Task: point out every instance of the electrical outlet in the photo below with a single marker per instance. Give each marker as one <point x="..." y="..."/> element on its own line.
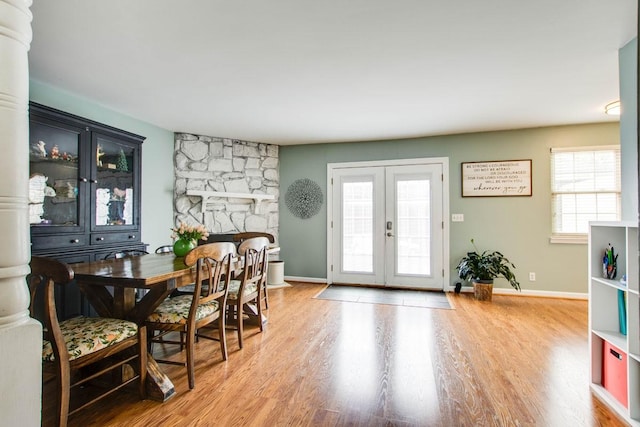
<point x="532" y="277"/>
<point x="457" y="217"/>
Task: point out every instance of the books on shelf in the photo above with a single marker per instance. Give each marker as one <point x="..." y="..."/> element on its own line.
<point x="622" y="311"/>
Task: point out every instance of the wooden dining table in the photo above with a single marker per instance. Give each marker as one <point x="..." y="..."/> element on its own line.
<point x="110" y="287"/>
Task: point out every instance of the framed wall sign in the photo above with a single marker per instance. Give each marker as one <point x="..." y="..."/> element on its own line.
<point x="496" y="178"/>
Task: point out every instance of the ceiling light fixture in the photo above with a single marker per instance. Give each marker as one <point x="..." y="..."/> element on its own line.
<point x="613" y="108"/>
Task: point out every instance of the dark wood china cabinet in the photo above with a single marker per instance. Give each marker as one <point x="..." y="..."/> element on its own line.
<point x="84" y="189"/>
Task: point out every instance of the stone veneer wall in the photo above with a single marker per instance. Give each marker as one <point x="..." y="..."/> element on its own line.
<point x="229" y="165"/>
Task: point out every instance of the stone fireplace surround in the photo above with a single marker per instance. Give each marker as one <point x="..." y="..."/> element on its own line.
<point x="204" y="163"/>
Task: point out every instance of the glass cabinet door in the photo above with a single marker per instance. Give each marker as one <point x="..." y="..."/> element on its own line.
<point x="115" y="177"/>
<point x="57" y="179"/>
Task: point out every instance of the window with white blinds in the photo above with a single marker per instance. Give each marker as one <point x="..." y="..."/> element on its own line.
<point x="585" y="186"/>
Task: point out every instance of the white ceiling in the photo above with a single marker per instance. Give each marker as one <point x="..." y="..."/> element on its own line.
<point x="300" y="71"/>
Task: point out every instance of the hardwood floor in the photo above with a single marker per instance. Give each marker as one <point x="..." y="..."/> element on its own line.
<point x="516" y="361"/>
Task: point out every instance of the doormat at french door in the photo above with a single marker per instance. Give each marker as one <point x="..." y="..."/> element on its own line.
<point x="403" y="297"/>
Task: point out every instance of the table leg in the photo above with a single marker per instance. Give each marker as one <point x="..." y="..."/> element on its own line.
<point x="99" y="298"/>
<point x="159" y="386"/>
<point x="152" y="299"/>
<point x="123" y="300"/>
<point x="251" y="310"/>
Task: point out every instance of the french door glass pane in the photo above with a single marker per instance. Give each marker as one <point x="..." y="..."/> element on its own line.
<point x="413" y="233"/>
<point x="357" y="227"/>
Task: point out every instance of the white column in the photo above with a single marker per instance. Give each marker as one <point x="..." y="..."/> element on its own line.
<point x="20" y="336"/>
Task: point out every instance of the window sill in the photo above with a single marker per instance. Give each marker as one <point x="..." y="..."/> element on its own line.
<point x="569" y="239"/>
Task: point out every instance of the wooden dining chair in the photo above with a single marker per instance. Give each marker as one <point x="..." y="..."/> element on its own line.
<point x="241" y="237"/>
<point x="125" y="253"/>
<point x="244" y="235"/>
<point x="70" y="346"/>
<point x="189" y="313"/>
<point x="164" y="249"/>
<point x="251" y="284"/>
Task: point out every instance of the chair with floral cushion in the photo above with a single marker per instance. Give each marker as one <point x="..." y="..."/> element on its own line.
<point x="251" y="283"/>
<point x="241" y="237"/>
<point x="82" y="352"/>
<point x="189" y="313"/>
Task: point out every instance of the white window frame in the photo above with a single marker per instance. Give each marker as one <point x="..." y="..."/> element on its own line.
<point x="580" y="238"/>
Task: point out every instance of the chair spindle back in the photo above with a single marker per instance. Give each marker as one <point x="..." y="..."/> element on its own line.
<point x="213" y="267"/>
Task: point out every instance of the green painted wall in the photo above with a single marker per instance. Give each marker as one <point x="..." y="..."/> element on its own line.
<point x="157" y="157"/>
<point x="628" y="64"/>
<point x="518" y="226"/>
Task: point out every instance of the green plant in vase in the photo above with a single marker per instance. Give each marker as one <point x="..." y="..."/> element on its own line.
<point x="186" y="237"/>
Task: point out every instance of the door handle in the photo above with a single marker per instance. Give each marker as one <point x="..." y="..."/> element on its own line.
<point x="389" y="234"/>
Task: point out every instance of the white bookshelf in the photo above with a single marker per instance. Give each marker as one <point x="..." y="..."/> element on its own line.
<point x="604" y="323"/>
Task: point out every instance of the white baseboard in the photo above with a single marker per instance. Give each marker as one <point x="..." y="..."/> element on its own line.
<point x="531" y="293"/>
<point x="278" y="285"/>
<point x="546" y="294"/>
<point x="305" y="279"/>
<point x="497" y="291"/>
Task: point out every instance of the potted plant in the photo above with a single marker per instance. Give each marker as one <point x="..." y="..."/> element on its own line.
<point x="187" y="237"/>
<point x="483" y="268"/>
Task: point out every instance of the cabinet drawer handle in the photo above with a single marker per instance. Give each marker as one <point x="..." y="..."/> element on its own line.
<point x="82" y="179"/>
<point x="132" y="236"/>
<point x="74" y="241"/>
<point x="99" y="239"/>
<point x="93" y="181"/>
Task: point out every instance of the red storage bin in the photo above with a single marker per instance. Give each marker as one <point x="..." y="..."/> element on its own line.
<point x="614" y="372"/>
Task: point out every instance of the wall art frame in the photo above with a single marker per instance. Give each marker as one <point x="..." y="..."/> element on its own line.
<point x="498" y="178"/>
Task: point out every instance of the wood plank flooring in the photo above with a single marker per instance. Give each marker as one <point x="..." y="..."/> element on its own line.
<point x="516" y="361"/>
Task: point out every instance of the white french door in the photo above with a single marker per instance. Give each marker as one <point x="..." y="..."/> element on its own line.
<point x="386" y="226"/>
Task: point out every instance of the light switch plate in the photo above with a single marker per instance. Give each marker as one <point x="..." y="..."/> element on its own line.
<point x="457" y="217"/>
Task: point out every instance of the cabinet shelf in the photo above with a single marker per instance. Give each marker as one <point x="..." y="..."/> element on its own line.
<point x="104" y="169"/>
<point x="609" y="314"/>
<point x="613" y="283"/>
<point x="62" y="162"/>
<point x="611" y="401"/>
<point x="614" y="337"/>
